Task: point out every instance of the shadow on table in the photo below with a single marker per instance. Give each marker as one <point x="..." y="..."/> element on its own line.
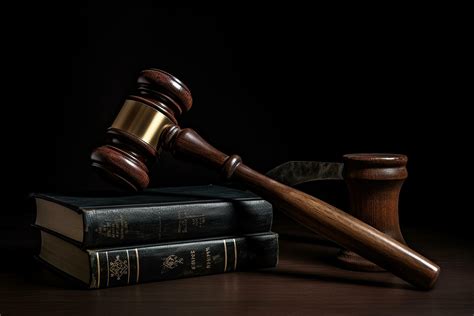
<point x="311" y="261"/>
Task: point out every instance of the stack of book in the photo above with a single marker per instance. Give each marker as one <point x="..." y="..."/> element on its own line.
<point x="159" y="234"/>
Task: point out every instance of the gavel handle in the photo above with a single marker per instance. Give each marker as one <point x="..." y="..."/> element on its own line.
<point x="309" y="211"/>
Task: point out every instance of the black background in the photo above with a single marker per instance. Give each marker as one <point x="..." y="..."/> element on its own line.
<point x="271" y="84"/>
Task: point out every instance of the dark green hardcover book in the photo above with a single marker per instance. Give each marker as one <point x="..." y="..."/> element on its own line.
<point x="152" y="216"/>
<point x="102" y="268"/>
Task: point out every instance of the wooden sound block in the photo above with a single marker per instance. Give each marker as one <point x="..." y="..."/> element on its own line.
<point x="374" y="182"/>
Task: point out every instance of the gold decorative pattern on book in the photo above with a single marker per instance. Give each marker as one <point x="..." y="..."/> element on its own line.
<point x="171" y="262"/>
<point x="138" y="264"/>
<point x="128" y="266"/>
<point x="225" y="256"/>
<point x="118" y="268"/>
<point x="235" y="254"/>
<point x="107" y="258"/>
<point x="98" y="270"/>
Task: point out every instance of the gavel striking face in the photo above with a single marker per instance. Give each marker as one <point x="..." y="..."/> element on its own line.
<point x="147" y="123"/>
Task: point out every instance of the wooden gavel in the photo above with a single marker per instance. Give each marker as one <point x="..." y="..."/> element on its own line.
<point x="147" y="123"/>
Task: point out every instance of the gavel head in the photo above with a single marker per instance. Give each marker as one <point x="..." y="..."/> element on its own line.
<point x="133" y="140"/>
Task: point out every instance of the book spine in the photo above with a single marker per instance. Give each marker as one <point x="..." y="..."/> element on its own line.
<point x="119" y="267"/>
<point x="153" y="224"/>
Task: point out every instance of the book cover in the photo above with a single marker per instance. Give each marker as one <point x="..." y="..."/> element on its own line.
<point x="102" y="268"/>
<point x="154" y="215"/>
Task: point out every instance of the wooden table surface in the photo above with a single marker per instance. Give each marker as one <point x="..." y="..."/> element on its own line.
<point x="305" y="282"/>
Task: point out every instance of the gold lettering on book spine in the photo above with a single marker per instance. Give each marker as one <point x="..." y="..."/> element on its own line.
<point x="116" y="229"/>
<point x="208" y="258"/>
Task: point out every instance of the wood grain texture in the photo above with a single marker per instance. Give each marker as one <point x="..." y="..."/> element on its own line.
<point x="374" y="182"/>
<point x="305" y="283"/>
<point x="118" y="163"/>
<point x="162" y="85"/>
<point x="311" y="212"/>
<point x="344" y="229"/>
